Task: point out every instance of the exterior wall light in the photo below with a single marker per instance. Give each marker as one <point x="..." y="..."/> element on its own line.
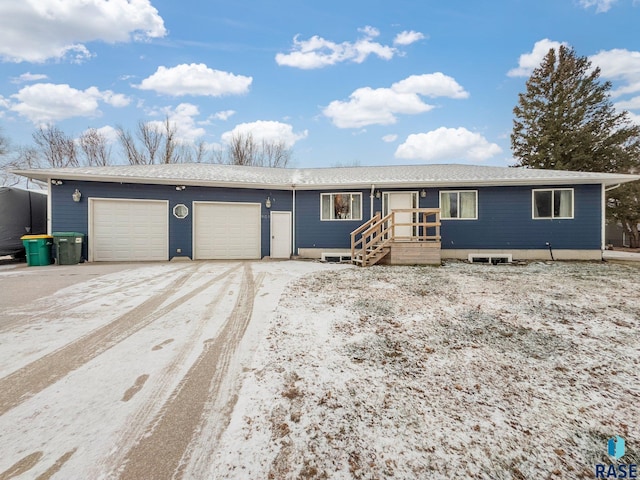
<point x="180" y="187"/>
<point x="267" y="202"/>
<point x="56" y="182"/>
<point x="423" y="193"/>
<point x="76" y="195"/>
<point x="377" y="193"/>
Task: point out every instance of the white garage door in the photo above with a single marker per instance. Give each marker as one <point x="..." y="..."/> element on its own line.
<point x="226" y="231"/>
<point x="128" y="230"/>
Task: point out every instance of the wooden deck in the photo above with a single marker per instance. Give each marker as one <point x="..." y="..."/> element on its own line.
<point x="376" y="241"/>
<point x="412" y="253"/>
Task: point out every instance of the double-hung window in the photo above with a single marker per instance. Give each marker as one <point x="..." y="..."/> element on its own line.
<point x="341" y="206"/>
<point x="462" y="205"/>
<point x="553" y="203"/>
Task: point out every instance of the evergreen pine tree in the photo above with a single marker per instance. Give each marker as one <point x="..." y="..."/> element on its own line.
<point x="565" y="120"/>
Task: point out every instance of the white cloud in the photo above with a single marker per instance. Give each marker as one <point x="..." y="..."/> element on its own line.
<point x="408" y="37"/>
<point x="635" y="118"/>
<point x="368" y="106"/>
<point x="620" y="65"/>
<point x="225" y="115"/>
<point x="631" y="104"/>
<point x="37" y="30"/>
<point x="110" y="133"/>
<point x="195" y="79"/>
<point x="390" y="138"/>
<point x="529" y="61"/>
<point x="602" y="6"/>
<point x="447" y="144"/>
<point x="29" y="77"/>
<point x="266" y="130"/>
<point x="431" y="85"/>
<point x="183" y="118"/>
<point x="4" y="102"/>
<point x="318" y="52"/>
<point x="47" y="102"/>
<point x="117" y="100"/>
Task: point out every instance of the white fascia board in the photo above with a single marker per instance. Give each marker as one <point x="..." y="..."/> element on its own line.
<point x="48" y="175"/>
<point x="611" y="179"/>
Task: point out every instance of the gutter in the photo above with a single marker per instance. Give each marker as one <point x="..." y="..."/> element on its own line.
<point x="413" y="183"/>
<point x="49" y="208"/>
<point x="293" y="220"/>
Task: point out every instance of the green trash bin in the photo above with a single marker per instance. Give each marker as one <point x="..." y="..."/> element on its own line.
<point x="68" y="247"/>
<point x="38" y="248"/>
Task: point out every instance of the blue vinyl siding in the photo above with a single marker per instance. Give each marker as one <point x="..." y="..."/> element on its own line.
<point x="504" y="220"/>
<point x="504" y="215"/>
<point x="70" y="216"/>
<point x="311" y="232"/>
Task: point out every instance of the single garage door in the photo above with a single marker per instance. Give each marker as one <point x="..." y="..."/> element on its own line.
<point x="128" y="230"/>
<point x="226" y="231"/>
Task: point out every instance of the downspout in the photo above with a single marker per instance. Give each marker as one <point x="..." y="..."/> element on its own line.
<point x="604" y="213"/>
<point x="371" y="197"/>
<point x="293" y="220"/>
<point x="48" y="206"/>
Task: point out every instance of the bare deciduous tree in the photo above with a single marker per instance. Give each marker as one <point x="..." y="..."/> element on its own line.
<point x="129" y="146"/>
<point x="56" y="148"/>
<point x="275" y="154"/>
<point x="23" y="158"/>
<point x="151" y="138"/>
<point x="170" y="143"/>
<point x="95" y="147"/>
<point x="4" y="145"/>
<point x="199" y="151"/>
<point x="154" y="143"/>
<point x="243" y="149"/>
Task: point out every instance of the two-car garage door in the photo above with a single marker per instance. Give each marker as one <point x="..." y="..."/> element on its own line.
<point x="226" y="230"/>
<point x="124" y="230"/>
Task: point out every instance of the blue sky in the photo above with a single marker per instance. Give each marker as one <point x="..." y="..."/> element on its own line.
<point x="350" y="82"/>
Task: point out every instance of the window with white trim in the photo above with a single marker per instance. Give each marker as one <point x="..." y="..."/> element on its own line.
<point x="459" y="205"/>
<point x="180" y="211"/>
<point x="552" y="203"/>
<point x="341" y="206"/>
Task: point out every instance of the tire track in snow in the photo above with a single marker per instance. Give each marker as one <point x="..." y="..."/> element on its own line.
<point x="22" y="466"/>
<point x="31" y="379"/>
<point x="163" y="451"/>
<point x="138" y="423"/>
<point x="223" y="398"/>
<point x="23" y="318"/>
<point x="55" y="468"/>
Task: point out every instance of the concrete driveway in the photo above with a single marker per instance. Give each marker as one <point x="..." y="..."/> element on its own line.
<point x="127" y="370"/>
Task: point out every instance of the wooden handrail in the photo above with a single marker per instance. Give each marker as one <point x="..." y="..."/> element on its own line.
<point x="365" y="224"/>
<point x="377" y="233"/>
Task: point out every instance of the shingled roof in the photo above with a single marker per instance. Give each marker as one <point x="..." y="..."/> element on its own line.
<point x="204" y="174"/>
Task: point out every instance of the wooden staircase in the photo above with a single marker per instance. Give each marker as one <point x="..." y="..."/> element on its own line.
<point x="376" y="240"/>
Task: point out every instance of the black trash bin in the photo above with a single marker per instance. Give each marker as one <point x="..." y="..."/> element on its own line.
<point x="68" y="247"/>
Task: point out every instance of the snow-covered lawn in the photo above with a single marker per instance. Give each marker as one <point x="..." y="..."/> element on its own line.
<point x="462" y="371"/>
<point x="287" y="370"/>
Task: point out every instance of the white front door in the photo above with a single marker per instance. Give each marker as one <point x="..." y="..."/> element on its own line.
<point x="401" y="200"/>
<point x="280" y="234"/>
